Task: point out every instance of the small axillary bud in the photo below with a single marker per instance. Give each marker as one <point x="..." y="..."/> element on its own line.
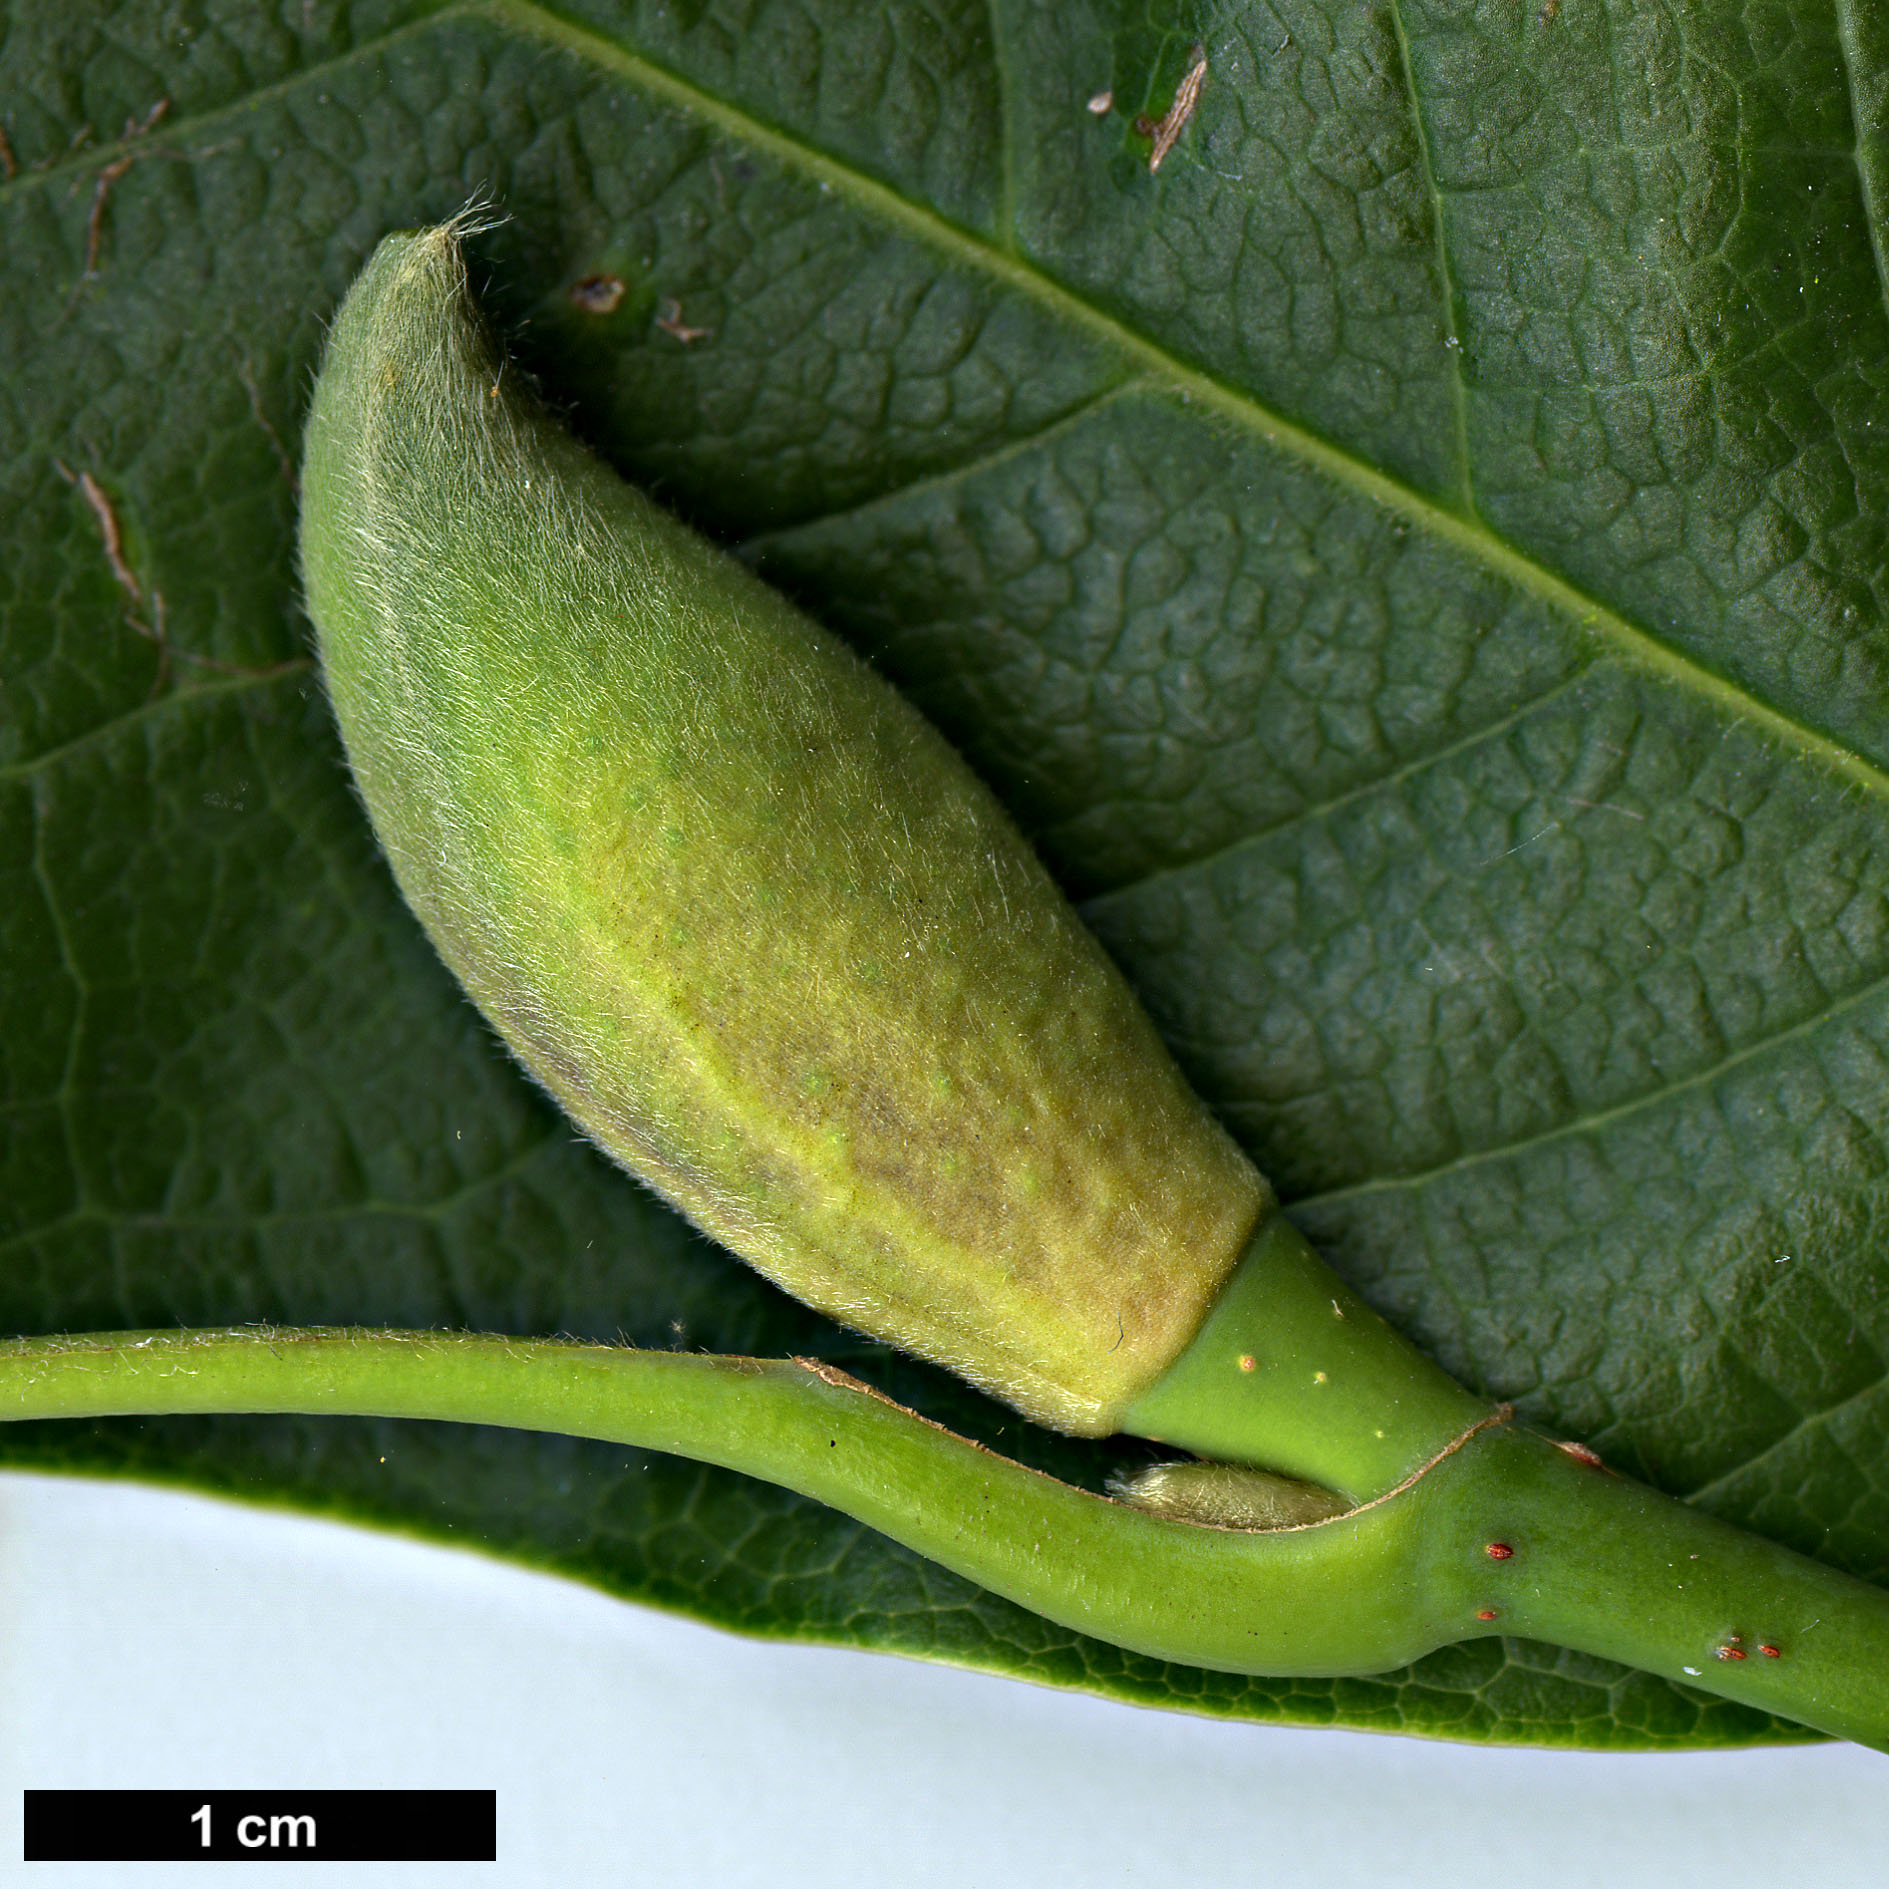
<point x="1226" y="1495"/>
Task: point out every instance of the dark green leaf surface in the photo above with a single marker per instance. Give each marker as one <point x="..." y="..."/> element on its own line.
<point x="1415" y="564"/>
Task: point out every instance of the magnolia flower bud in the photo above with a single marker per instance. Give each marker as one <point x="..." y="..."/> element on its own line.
<point x="730" y="899"/>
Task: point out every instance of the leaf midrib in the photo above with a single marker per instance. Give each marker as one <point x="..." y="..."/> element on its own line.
<point x="1191" y="383"/>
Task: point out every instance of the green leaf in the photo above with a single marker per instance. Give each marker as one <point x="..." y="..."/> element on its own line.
<point x="1414" y="562"/>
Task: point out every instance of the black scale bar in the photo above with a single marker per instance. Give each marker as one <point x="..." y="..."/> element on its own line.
<point x="268" y="1826"/>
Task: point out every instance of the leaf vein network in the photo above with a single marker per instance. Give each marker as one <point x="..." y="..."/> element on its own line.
<point x="974" y="252"/>
<point x="1341" y="467"/>
<point x="1602" y="1118"/>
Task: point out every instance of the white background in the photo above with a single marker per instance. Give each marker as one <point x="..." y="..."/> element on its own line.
<point x="161" y="1640"/>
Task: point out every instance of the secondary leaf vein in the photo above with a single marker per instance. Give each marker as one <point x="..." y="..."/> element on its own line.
<point x="1322" y="809"/>
<point x="1446" y="279"/>
<point x="1191" y="384"/>
<point x="91" y="158"/>
<point x="1816" y="1420"/>
<point x="972" y="250"/>
<point x="1587" y="1124"/>
<point x="1874" y="209"/>
<point x="49" y="758"/>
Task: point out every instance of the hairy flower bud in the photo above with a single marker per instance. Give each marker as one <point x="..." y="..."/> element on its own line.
<point x="730" y="898"/>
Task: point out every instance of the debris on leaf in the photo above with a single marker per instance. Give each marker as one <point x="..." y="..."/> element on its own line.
<point x="1166" y="131"/>
<point x="599" y="294"/>
<point x="669" y="320"/>
<point x="107" y="518"/>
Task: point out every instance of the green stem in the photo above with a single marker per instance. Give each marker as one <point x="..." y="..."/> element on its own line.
<point x="1596" y="1563"/>
<point x="1292" y="1371"/>
<point x="1346" y="1600"/>
<point x="1605" y="1565"/>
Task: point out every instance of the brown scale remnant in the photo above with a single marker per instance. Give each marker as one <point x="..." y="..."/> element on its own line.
<point x="107" y="177"/>
<point x="1499" y="1551"/>
<point x="95" y="222"/>
<point x="103" y="511"/>
<point x="1167" y="130"/>
<point x="9" y="164"/>
<point x="669" y="320"/>
<point x="599" y="294"/>
<point x="1549" y="10"/>
<point x="1486" y="1613"/>
<point x="156" y="630"/>
<point x="1581" y="1454"/>
<point x="101" y="507"/>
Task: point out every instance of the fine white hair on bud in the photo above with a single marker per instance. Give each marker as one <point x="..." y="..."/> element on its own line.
<point x="730" y="898"/>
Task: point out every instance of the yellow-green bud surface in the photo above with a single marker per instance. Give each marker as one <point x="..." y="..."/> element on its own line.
<point x="730" y="898"/>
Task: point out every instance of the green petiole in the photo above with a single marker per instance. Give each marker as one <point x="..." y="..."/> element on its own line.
<point x="1499" y="1532"/>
